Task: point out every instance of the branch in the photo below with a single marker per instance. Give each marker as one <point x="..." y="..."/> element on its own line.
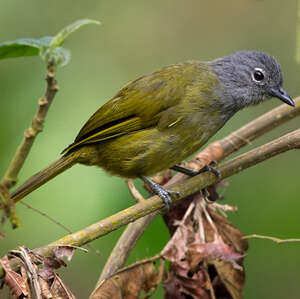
<point x="215" y="151"/>
<point x="11" y="175"/>
<point x="124" y="246"/>
<point x="186" y="188"/>
<point x="133" y="191"/>
<point x="274" y="239"/>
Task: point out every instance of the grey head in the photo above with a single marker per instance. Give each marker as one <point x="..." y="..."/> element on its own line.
<point x="248" y="78"/>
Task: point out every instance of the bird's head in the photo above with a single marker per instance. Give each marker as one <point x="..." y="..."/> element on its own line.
<point x="248" y="78"/>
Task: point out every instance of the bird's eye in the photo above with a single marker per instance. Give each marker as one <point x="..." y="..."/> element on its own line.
<point x="258" y="75"/>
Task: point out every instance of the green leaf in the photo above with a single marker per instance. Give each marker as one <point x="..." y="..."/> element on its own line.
<point x="60" y="37"/>
<point x="23" y="47"/>
<point x="49" y="48"/>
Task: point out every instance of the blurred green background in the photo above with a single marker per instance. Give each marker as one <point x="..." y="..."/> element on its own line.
<point x="138" y="37"/>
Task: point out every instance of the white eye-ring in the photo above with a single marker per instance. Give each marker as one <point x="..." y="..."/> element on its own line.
<point x="258" y="75"/>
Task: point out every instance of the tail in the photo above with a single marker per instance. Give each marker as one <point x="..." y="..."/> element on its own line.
<point x="44" y="176"/>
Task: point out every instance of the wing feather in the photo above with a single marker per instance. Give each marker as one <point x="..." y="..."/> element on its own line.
<point x="137" y="106"/>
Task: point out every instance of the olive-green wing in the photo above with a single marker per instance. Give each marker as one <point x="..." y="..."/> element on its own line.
<point x="137" y="106"/>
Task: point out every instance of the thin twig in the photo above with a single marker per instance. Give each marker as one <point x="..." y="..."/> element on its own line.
<point x="11" y="175"/>
<point x="208" y="218"/>
<point x="124" y="245"/>
<point x="141" y="262"/>
<point x="274" y="239"/>
<point x="186" y="188"/>
<point x="59" y="224"/>
<point x="46" y="216"/>
<point x="133" y="191"/>
<point x="224" y="207"/>
<point x="8" y="207"/>
<point x="70" y="246"/>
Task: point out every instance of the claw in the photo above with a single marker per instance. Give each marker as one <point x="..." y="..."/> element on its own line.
<point x="163" y="193"/>
<point x="212" y="169"/>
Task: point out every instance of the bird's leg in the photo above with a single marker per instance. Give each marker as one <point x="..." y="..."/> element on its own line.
<point x="185" y="170"/>
<point x="191" y="172"/>
<point x="157" y="189"/>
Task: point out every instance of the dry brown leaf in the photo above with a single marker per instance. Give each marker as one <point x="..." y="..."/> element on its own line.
<point x="66" y="251"/>
<point x="45" y="288"/>
<point x="181" y="282"/>
<point x="47" y="282"/>
<point x="49" y="265"/>
<point x="231" y="278"/>
<point x="128" y="283"/>
<point x="18" y="285"/>
<point x="175" y="250"/>
<point x="230" y="234"/>
<point x="216" y="250"/>
<point x="50" y="283"/>
<point x="206" y="254"/>
<point x="59" y="290"/>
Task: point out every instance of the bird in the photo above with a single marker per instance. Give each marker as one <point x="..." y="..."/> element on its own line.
<point x="156" y="121"/>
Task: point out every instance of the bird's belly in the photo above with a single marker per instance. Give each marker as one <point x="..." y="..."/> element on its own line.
<point x="147" y="152"/>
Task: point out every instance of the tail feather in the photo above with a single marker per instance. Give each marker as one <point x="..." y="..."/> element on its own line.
<point x="44" y="176"/>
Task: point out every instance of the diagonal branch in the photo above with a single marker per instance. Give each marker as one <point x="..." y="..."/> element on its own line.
<point x="11" y="175"/>
<point x="218" y="150"/>
<point x="186" y="188"/>
<point x="125" y="244"/>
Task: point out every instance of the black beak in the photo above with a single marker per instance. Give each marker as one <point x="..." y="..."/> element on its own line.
<point x="282" y="95"/>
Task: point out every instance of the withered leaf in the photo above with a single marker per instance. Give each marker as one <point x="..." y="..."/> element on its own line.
<point x="128" y="283"/>
<point x="50" y="283"/>
<point x="54" y="263"/>
<point x="206" y="254"/>
<point x="66" y="251"/>
<point x="17" y="284"/>
<point x="181" y="284"/>
<point x="45" y="288"/>
<point x="216" y="250"/>
<point x="230" y="234"/>
<point x="232" y="279"/>
<point x="176" y="248"/>
<point x="59" y="290"/>
<point x="49" y="265"/>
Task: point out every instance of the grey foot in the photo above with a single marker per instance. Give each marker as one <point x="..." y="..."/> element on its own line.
<point x="163" y="193"/>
